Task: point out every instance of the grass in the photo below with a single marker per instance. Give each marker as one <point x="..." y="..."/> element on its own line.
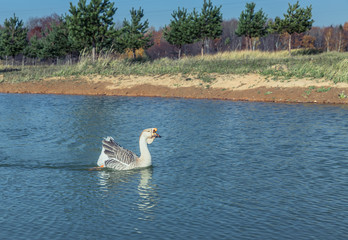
<point x="206" y="78"/>
<point x="342" y="95"/>
<point x="319" y="90"/>
<point x="308" y="92"/>
<point x="323" y="89"/>
<point x="276" y="65"/>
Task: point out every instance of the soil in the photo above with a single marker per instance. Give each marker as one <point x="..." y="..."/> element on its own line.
<point x="226" y="87"/>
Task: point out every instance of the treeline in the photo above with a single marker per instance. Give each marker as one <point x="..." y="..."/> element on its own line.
<point x="90" y="29"/>
<point x="315" y="40"/>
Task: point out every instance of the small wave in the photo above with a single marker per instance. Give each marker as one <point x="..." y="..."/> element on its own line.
<point x="46" y="166"/>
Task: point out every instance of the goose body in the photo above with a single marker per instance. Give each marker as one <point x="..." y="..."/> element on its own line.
<point x="116" y="157"/>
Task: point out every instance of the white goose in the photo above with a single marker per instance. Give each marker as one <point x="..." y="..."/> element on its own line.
<point x="116" y="157"/>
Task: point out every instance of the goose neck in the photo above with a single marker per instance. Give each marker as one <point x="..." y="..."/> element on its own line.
<point x="145" y="156"/>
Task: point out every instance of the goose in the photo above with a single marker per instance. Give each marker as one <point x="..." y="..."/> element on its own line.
<point x="116" y="157"/>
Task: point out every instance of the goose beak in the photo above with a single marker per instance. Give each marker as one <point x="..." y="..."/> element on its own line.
<point x="155" y="134"/>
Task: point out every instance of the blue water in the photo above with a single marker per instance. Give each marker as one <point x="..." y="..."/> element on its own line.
<point x="223" y="170"/>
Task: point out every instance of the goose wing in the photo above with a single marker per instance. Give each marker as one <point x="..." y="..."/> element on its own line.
<point x="118" y="157"/>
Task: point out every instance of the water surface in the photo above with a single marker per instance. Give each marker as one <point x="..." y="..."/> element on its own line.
<point x="223" y="170"/>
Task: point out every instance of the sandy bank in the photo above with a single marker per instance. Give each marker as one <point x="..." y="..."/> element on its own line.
<point x="228" y="87"/>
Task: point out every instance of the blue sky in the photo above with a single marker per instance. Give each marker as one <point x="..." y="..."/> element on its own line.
<point x="158" y="12"/>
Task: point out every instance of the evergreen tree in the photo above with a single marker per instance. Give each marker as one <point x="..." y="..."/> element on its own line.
<point x="56" y="42"/>
<point x="296" y="20"/>
<point x="180" y="30"/>
<point x="252" y="24"/>
<point x="91" y="26"/>
<point x="34" y="48"/>
<point x="13" y="37"/>
<point x="133" y="35"/>
<point x="2" y="47"/>
<point x="208" y="23"/>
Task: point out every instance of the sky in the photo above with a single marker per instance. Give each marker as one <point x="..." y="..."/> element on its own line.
<point x="158" y="12"/>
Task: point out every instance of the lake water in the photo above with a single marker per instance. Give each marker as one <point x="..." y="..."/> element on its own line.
<point x="223" y="170"/>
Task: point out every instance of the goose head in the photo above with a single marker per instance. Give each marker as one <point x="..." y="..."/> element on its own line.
<point x="150" y="134"/>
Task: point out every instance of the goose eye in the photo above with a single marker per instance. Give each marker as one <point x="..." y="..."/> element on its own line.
<point x="154" y="130"/>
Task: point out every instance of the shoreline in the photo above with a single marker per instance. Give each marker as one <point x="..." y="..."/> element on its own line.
<point x="253" y="88"/>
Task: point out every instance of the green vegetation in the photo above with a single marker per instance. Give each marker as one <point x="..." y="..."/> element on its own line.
<point x="296" y="20"/>
<point x="252" y="24"/>
<point x="133" y="33"/>
<point x="342" y="95"/>
<point x="180" y="30"/>
<point x="91" y="25"/>
<point x="13" y="37"/>
<point x="308" y="92"/>
<point x="90" y="28"/>
<point x="330" y="66"/>
<point x="207" y="24"/>
<point x="187" y="28"/>
<point x="205" y="77"/>
<point x="323" y="89"/>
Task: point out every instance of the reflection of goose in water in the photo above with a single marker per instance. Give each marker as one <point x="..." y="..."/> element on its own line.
<point x="116" y="157"/>
<point x="146" y="192"/>
<point x="111" y="181"/>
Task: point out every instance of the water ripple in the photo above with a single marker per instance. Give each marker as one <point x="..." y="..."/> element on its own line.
<point x="223" y="170"/>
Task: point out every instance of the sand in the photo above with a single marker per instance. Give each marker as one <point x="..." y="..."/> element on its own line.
<point x="249" y="87"/>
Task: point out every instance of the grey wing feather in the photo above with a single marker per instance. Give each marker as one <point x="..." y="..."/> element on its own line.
<point x="117" y="155"/>
<point x="115" y="164"/>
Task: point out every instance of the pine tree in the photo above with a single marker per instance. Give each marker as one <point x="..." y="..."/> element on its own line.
<point x="91" y="26"/>
<point x="56" y="42"/>
<point x="252" y="24"/>
<point x="2" y="47"/>
<point x="13" y="37"/>
<point x="133" y="35"/>
<point x="208" y="23"/>
<point x="180" y="30"/>
<point x="296" y="20"/>
<point x="34" y="48"/>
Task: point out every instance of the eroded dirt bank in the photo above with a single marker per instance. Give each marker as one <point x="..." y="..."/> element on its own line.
<point x="227" y="87"/>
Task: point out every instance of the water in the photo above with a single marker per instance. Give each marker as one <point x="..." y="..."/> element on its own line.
<point x="223" y="170"/>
